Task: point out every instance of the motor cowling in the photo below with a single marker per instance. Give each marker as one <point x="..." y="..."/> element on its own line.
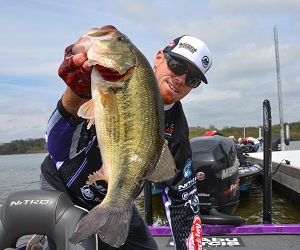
<point x="216" y="165"/>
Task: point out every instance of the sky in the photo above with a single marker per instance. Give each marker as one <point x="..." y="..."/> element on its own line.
<point x="239" y="34"/>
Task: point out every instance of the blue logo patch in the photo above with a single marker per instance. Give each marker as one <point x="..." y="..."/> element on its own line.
<point x="187" y="171"/>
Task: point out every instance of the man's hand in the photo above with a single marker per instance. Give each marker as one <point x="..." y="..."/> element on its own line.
<point x="76" y="73"/>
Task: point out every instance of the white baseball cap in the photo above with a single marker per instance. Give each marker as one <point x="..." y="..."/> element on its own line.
<point x="192" y="52"/>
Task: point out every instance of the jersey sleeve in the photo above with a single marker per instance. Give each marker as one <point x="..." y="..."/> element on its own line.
<point x="181" y="201"/>
<point x="63" y="135"/>
<point x="180" y="194"/>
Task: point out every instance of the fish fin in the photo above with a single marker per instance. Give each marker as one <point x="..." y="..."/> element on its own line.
<point x="86" y="110"/>
<point x="165" y="168"/>
<point x="110" y="101"/>
<point x="91" y="123"/>
<point x="111" y="223"/>
<point x="96" y="176"/>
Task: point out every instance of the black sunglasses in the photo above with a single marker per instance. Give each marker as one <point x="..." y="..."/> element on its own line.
<point x="179" y="69"/>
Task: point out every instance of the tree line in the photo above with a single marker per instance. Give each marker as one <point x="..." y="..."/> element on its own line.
<point x="39" y="146"/>
<point x="23" y="146"/>
<point x="238" y="132"/>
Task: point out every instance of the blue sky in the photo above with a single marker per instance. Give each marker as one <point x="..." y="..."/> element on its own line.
<point x="240" y="35"/>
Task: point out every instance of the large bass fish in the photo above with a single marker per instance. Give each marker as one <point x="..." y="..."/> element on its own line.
<point x="127" y="110"/>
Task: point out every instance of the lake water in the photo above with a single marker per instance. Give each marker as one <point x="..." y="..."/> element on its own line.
<point x="19" y="172"/>
<point x="294" y="145"/>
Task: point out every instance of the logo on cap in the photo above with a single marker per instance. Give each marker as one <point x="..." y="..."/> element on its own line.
<point x="205" y="61"/>
<point x="171" y="44"/>
<point x="188" y="47"/>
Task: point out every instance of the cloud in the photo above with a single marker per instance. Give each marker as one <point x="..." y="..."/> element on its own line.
<point x="240" y="35"/>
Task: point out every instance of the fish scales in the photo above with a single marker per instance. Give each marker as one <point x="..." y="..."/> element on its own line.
<point x="134" y="125"/>
<point x="127" y="109"/>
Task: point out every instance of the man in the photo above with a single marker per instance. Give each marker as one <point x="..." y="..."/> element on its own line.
<point x="254" y="142"/>
<point x="249" y="144"/>
<point x="179" y="68"/>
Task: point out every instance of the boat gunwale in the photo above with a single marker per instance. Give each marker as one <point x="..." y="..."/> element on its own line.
<point x="235" y="230"/>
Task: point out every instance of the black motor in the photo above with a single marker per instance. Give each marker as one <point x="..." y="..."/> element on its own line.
<point x="216" y="166"/>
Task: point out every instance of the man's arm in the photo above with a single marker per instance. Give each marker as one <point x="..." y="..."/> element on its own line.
<point x="72" y="102"/>
<point x="64" y="124"/>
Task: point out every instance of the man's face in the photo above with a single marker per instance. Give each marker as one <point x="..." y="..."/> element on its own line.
<point x="172" y="87"/>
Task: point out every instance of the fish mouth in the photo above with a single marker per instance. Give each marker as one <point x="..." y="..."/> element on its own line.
<point x="112" y="75"/>
<point x="109" y="74"/>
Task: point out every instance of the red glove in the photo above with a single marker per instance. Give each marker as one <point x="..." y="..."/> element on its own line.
<point x="76" y="77"/>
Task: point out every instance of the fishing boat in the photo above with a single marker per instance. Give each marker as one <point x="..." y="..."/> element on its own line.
<point x="248" y="172"/>
<point x="249" y="144"/>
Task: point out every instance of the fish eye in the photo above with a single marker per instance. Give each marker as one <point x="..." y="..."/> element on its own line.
<point x="122" y="39"/>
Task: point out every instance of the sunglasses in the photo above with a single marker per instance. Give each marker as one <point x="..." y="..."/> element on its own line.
<point x="179" y="69"/>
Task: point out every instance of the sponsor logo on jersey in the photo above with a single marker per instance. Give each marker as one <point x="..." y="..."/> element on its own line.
<point x="100" y="188"/>
<point x="194" y="241"/>
<point x="187" y="184"/>
<point x="169" y="132"/>
<point x="193" y="203"/>
<point x="87" y="193"/>
<point x="186" y="195"/>
<point x="187" y="170"/>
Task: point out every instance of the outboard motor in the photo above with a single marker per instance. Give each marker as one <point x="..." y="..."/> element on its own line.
<point x="216" y="166"/>
<point x="41" y="212"/>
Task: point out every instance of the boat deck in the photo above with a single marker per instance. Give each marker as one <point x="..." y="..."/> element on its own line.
<point x="240" y="242"/>
<point x="270" y="236"/>
<point x="245" y="237"/>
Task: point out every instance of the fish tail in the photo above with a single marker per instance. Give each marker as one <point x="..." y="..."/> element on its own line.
<point x="111" y="223"/>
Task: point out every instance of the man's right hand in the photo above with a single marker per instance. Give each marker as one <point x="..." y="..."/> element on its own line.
<point x="76" y="73"/>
